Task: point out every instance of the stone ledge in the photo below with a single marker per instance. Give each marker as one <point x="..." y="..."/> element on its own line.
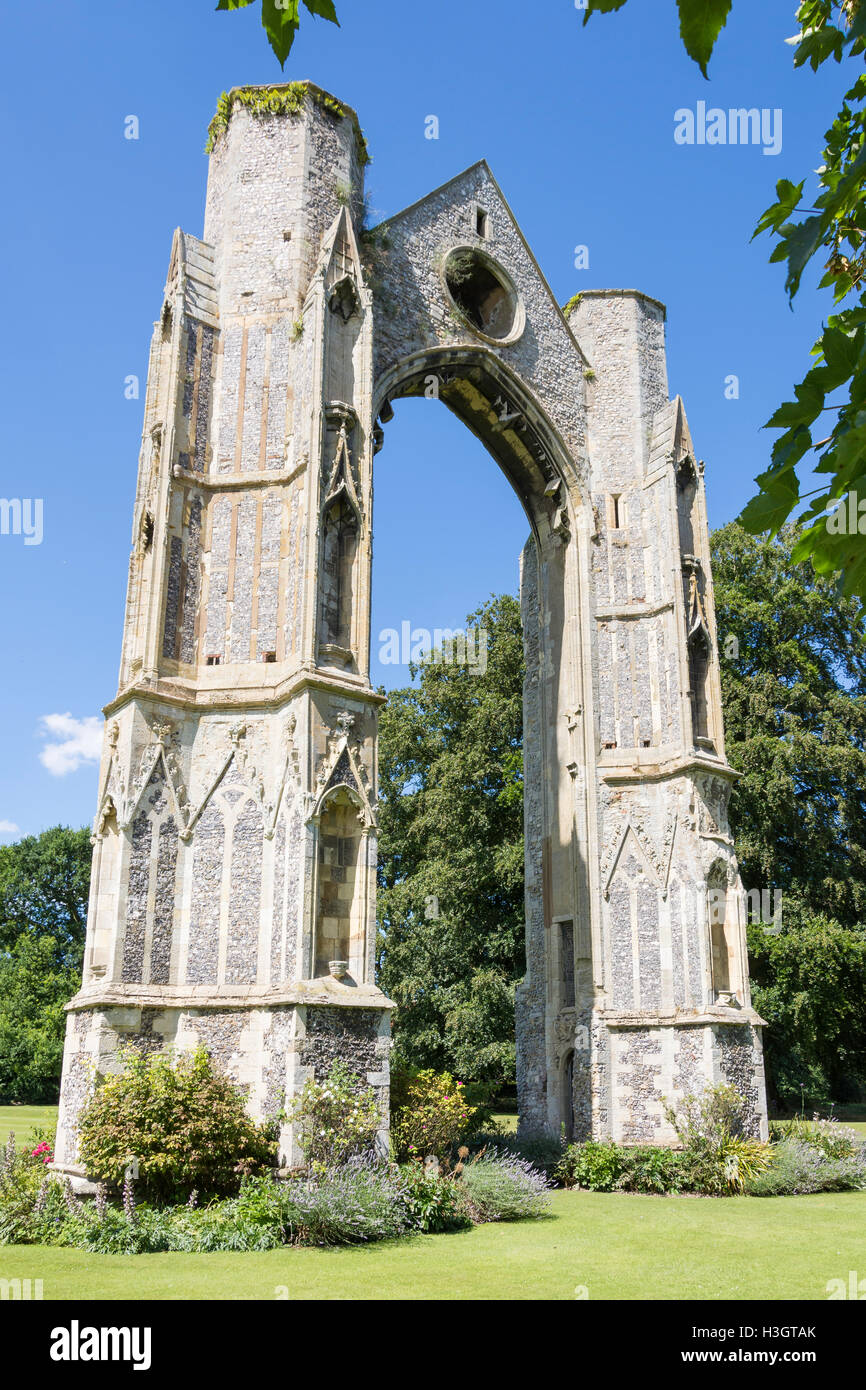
<point x="205" y="997"/>
<point x="680" y="1019"/>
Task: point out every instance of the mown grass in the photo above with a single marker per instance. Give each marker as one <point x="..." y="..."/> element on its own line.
<point x="611" y="1245"/>
<point x="20" y="1119"/>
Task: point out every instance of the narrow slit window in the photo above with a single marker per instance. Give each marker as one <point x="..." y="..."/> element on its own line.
<point x="481" y="222"/>
<point x="566" y="964"/>
<point x="212" y="660"/>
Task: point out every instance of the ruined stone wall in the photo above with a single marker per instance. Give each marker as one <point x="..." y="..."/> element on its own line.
<point x="245" y="715"/>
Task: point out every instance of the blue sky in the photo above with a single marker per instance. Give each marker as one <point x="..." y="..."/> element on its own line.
<point x="577" y="125"/>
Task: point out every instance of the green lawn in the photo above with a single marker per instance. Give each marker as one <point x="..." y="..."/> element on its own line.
<point x="20" y="1119"/>
<point x="615" y="1246"/>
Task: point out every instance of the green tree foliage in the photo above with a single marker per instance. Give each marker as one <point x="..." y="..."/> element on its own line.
<point x="451" y="917"/>
<point x="44" y="885"/>
<point x="34" y="987"/>
<point x="809" y="984"/>
<point x="281" y="19"/>
<point x="794" y="698"/>
<point x="794" y="694"/>
<point x="832" y="230"/>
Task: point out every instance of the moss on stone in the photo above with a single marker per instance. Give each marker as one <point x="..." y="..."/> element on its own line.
<point x="286" y="99"/>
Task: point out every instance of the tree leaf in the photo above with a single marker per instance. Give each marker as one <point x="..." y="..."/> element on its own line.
<point x="701" y="22"/>
<point x="768" y="511"/>
<point x="788" y="195"/>
<point x="280" y="23"/>
<point x="801" y="241"/>
<point x="324" y="9"/>
<point x="602" y="7"/>
<point x="233" y="4"/>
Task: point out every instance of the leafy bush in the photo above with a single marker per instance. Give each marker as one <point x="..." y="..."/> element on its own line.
<point x="800" y="1168"/>
<point x="711" y="1117"/>
<point x="337" y="1119"/>
<point x="429" y="1113"/>
<point x="499" y="1186"/>
<point x="594" y="1165"/>
<point x="432" y="1203"/>
<point x="649" y="1169"/>
<point x="720" y="1153"/>
<point x="825" y="1135"/>
<point x="181" y="1119"/>
<point x="744" y="1160"/>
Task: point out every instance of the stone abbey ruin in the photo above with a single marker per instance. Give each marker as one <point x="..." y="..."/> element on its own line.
<point x="234" y="888"/>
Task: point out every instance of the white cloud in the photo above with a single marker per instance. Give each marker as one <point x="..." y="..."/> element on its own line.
<point x="72" y="742"/>
<point x="8" y="827"/>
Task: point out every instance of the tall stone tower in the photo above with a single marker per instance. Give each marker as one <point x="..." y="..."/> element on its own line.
<point x="233" y="897"/>
<point x="234" y="872"/>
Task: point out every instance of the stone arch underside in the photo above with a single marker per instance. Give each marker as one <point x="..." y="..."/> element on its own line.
<point x="503" y="412"/>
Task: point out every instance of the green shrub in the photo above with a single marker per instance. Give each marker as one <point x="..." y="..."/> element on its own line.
<point x="708" y="1119"/>
<point x="358" y="1202"/>
<point x="594" y="1165"/>
<point x="337" y="1119"/>
<point x="32" y="1200"/>
<point x="432" y="1203"/>
<point x="832" y="1139"/>
<point x="649" y="1169"/>
<point x="429" y="1114"/>
<point x="720" y="1154"/>
<point x="799" y="1168"/>
<point x="744" y="1160"/>
<point x="183" y="1121"/>
<point x="502" y="1187"/>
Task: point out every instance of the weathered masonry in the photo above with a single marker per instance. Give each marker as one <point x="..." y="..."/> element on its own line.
<point x="233" y="897"/>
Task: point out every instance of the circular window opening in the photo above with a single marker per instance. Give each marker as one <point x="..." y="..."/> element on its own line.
<point x="482" y="294"/>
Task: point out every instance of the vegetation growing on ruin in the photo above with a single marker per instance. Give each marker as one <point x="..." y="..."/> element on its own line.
<point x="286" y="99"/>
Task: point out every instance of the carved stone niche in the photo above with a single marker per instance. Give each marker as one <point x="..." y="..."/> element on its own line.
<point x="343" y="298"/>
<point x="714" y="794"/>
